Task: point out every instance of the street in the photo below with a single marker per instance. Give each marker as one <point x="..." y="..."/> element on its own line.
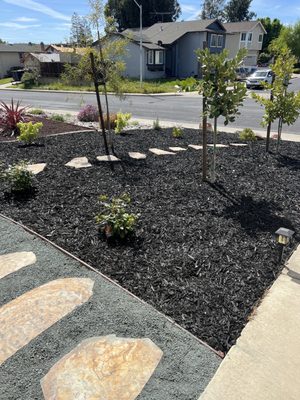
<point x="180" y="109"/>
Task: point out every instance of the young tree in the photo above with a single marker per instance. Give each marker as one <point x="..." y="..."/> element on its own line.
<point x="238" y="10"/>
<point x="223" y="94"/>
<point x="81" y="34"/>
<point x="289" y="37"/>
<point x="126" y="12"/>
<point x="284" y="106"/>
<point x="212" y="9"/>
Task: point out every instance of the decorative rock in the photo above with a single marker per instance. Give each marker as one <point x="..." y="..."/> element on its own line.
<point x="177" y="149"/>
<point x="238" y="144"/>
<point x="137" y="155"/>
<point x="218" y="146"/>
<point x="160" y="152"/>
<point x="27" y="316"/>
<point x="36" y="168"/>
<point x="103" y="368"/>
<point x="14" y="261"/>
<point x="195" y="146"/>
<point x="79" y="162"/>
<point x="108" y="158"/>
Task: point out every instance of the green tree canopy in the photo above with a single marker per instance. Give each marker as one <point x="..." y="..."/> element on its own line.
<point x="212" y="9"/>
<point x="81" y="34"/>
<point x="238" y="10"/>
<point x="273" y="28"/>
<point x="127" y="14"/>
<point x="289" y="37"/>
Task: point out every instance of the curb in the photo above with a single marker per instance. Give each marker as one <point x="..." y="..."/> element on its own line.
<point x="88" y="92"/>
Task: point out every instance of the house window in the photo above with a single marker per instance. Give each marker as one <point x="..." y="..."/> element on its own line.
<point x="220" y="40"/>
<point x="213" y="40"/>
<point x="159" y="57"/>
<point x="250" y="37"/>
<point x="155" y="57"/>
<point x="260" y="38"/>
<point x="150" y="57"/>
<point x="243" y="36"/>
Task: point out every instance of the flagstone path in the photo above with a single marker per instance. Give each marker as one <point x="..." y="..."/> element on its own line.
<point x="68" y="332"/>
<point x="79" y="162"/>
<point x="36" y="168"/>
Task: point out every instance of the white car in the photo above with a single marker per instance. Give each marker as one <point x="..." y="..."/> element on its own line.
<point x="257" y="79"/>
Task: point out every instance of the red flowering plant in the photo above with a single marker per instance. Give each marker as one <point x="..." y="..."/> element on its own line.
<point x="10" y="115"/>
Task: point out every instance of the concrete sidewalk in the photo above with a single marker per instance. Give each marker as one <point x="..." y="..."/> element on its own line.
<point x="34" y="272"/>
<point x="265" y="362"/>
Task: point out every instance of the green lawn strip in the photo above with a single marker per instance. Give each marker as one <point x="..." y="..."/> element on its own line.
<point x="5" y="80"/>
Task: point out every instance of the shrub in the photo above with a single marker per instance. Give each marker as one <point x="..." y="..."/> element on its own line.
<point x="17" y="176"/>
<point x="29" y="79"/>
<point x="264" y="58"/>
<point x="248" y="135"/>
<point x="113" y="121"/>
<point x="36" y="111"/>
<point x="122" y="122"/>
<point x="57" y="117"/>
<point x="114" y="220"/>
<point x="156" y="125"/>
<point x="29" y="131"/>
<point x="188" y="85"/>
<point x="88" y="113"/>
<point x="177" y="132"/>
<point x="11" y="115"/>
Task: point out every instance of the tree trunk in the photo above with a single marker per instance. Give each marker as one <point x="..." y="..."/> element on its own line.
<point x="204" y="142"/>
<point x="279" y="134"/>
<point x="101" y="119"/>
<point x="213" y="175"/>
<point x="269" y="129"/>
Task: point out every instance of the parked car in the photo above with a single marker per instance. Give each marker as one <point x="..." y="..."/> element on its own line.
<point x="241" y="74"/>
<point x="257" y="79"/>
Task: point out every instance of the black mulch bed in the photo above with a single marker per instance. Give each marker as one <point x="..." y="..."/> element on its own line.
<point x="50" y="127"/>
<point x="203" y="255"/>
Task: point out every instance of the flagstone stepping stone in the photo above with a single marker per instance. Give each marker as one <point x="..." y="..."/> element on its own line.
<point x="159" y="152"/>
<point x="36" y="168"/>
<point x="238" y="144"/>
<point x="79" y="162"/>
<point x="195" y="146"/>
<point x="108" y="158"/>
<point x="27" y="316"/>
<point x="137" y="155"/>
<point x="218" y="146"/>
<point x="177" y="149"/>
<point x="14" y="261"/>
<point x="103" y="368"/>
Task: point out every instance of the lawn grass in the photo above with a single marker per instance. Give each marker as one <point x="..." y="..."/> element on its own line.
<point x="128" y="86"/>
<point x="5" y="80"/>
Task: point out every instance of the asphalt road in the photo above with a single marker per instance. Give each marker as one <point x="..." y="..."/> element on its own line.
<point x="180" y="109"/>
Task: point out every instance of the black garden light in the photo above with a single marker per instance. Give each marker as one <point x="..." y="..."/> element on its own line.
<point x="283" y="238"/>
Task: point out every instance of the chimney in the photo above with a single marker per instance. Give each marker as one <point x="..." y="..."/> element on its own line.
<point x="42" y="47"/>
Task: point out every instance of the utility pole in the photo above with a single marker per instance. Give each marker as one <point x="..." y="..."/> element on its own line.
<point x="141" y="41"/>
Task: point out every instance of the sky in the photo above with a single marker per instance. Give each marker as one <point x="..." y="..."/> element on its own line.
<point x="49" y="20"/>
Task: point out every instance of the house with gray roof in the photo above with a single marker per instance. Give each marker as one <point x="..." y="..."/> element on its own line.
<point x="245" y="34"/>
<point x="169" y="48"/>
<point x="12" y="55"/>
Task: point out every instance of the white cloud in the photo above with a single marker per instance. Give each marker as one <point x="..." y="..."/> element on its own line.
<point x="15" y="25"/>
<point x="35" y="6"/>
<point x="25" y="19"/>
<point x="186" y="8"/>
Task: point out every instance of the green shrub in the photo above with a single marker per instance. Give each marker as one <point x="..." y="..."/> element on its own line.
<point x="121" y="122"/>
<point x="29" y="131"/>
<point x="57" y="117"/>
<point x="114" y="220"/>
<point x="29" y="79"/>
<point x="37" y="111"/>
<point x="248" y="135"/>
<point x="17" y="176"/>
<point x="188" y="85"/>
<point x="177" y="132"/>
<point x="156" y="125"/>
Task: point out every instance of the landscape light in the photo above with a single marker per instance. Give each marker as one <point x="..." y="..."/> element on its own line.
<point x="284" y="235"/>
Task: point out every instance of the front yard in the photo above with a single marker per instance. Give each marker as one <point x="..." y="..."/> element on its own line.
<point x="203" y="254"/>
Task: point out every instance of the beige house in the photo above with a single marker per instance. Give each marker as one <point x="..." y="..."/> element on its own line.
<point x="246" y="34"/>
<point x="12" y="55"/>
